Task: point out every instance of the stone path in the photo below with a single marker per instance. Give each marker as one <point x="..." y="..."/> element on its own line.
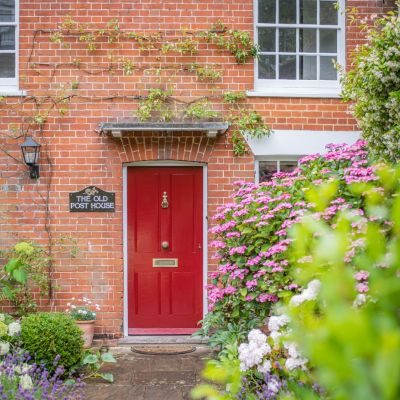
<point x="150" y="377"/>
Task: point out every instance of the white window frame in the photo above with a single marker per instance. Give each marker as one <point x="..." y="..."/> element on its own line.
<point x="301" y="88"/>
<point x="10" y="86"/>
<point x="277" y="159"/>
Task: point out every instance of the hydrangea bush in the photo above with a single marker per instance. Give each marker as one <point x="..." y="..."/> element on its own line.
<point x="343" y="257"/>
<point x="373" y="83"/>
<point x="252" y="233"/>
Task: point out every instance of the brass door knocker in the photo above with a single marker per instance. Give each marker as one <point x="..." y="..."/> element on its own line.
<point x="164" y="203"/>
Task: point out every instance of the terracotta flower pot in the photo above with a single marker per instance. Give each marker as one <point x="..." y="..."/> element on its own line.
<point x="87" y="328"/>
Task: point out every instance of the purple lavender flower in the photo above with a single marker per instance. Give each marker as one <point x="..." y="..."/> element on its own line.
<point x="23" y="381"/>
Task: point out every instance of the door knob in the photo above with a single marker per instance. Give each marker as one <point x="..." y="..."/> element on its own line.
<point x="165" y="245"/>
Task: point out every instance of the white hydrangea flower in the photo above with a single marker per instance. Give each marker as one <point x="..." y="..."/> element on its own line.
<point x="256" y="336"/>
<point x="292" y="350"/>
<point x="265" y="367"/>
<point x="4" y="348"/>
<point x="25" y="382"/>
<point x="275" y="323"/>
<point x="2" y="317"/>
<point x="14" y="328"/>
<point x="253" y="352"/>
<point x="360" y="299"/>
<point x="294" y="363"/>
<point x="275" y="336"/>
<point x="308" y="294"/>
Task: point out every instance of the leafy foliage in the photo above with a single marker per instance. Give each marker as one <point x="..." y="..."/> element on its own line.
<point x="25" y="269"/>
<point x="252" y="234"/>
<point x="248" y="123"/>
<point x="343" y="335"/>
<point x="363" y="329"/>
<point x="94" y="361"/>
<point x="238" y="43"/>
<point x="234" y="97"/>
<point x="200" y="110"/>
<point x="156" y="104"/>
<point x="185" y="45"/>
<point x="47" y="335"/>
<point x="206" y="73"/>
<point x="373" y="84"/>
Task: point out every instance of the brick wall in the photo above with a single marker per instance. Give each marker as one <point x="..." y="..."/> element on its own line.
<point x="74" y="155"/>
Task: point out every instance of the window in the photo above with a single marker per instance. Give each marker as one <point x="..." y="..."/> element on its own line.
<point x="266" y="168"/>
<point x="299" y="41"/>
<point x="8" y="45"/>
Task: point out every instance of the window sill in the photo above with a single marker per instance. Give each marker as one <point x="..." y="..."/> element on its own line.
<point x="12" y="92"/>
<point x="333" y="93"/>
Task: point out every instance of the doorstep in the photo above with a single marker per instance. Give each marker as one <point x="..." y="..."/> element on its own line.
<point x="162" y="339"/>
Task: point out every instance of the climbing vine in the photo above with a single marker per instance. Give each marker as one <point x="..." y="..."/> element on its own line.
<point x="158" y="103"/>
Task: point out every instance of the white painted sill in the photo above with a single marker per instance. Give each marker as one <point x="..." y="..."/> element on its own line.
<point x="12" y="92"/>
<point x="295" y="92"/>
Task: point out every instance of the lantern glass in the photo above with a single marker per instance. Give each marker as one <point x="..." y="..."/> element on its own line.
<point x="30" y="151"/>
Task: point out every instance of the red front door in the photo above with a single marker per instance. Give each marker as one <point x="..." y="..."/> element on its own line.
<point x="165" y="249"/>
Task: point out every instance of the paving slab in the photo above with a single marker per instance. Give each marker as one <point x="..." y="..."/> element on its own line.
<point x="150" y="377"/>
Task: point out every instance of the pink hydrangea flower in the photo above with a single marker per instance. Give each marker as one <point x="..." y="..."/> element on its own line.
<point x="263" y="298"/>
<point x="361" y="275"/>
<point x="237" y="250"/>
<point x="251" y="284"/>
<point x="362" y="288"/>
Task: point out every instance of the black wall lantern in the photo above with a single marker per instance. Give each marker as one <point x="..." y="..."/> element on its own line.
<point x="30" y="151"/>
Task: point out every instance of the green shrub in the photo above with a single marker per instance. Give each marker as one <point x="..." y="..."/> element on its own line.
<point x="373" y="84"/>
<point x="49" y="335"/>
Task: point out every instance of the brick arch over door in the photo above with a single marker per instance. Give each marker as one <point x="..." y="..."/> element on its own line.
<point x="185" y="146"/>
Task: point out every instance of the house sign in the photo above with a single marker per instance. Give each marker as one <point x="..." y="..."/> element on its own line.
<point x="92" y="199"/>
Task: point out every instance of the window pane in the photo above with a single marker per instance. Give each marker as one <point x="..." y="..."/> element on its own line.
<point x="7" y="38"/>
<point x="308" y="67"/>
<point x="308" y="11"/>
<point x="288" y="166"/>
<point x="266" y="67"/>
<point x="328" y="41"/>
<point x="266" y="39"/>
<point x="287" y="11"/>
<point x="267" y="11"/>
<point x="308" y="40"/>
<point x="267" y="169"/>
<point x="287" y="67"/>
<point x="7" y="10"/>
<point x="327" y="69"/>
<point x="287" y="40"/>
<point x="7" y="65"/>
<point x="328" y="13"/>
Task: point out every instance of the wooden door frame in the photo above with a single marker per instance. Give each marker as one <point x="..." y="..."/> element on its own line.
<point x="164" y="163"/>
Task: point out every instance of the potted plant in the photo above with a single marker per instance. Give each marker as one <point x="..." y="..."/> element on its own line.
<point x="84" y="314"/>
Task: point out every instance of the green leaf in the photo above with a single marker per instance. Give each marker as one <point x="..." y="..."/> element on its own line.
<point x="8" y="293"/>
<point x="90" y="359"/>
<point x="108" y="377"/>
<point x="20" y="276"/>
<point x="108" y="357"/>
<point x="12" y="264"/>
<point x="205" y="391"/>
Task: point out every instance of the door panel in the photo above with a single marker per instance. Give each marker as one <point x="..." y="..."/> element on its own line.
<point x="167" y="296"/>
